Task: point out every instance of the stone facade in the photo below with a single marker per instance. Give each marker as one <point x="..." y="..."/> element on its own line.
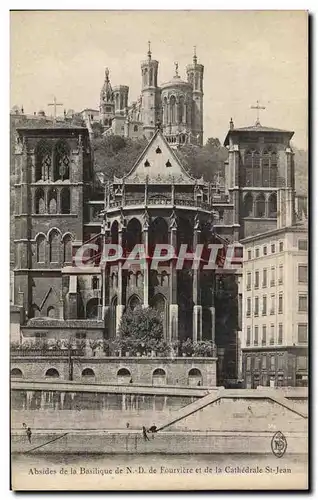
<point x="177" y="104"/>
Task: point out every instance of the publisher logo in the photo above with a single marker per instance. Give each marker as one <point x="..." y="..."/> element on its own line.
<point x="279" y="444"/>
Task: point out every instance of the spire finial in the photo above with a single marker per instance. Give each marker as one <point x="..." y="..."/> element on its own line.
<point x="195" y="59"/>
<point x="177" y="66"/>
<point x="231" y="124"/>
<point x="149" y="50"/>
<point x="106" y="74"/>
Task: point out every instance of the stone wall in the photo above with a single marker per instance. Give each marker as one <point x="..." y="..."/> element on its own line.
<point x="137" y="370"/>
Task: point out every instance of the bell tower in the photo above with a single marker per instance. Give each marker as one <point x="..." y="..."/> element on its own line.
<point x="107" y="104"/>
<point x="150" y="94"/>
<point x="195" y="77"/>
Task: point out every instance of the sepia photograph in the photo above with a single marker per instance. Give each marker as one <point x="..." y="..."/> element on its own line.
<point x="159" y="250"/>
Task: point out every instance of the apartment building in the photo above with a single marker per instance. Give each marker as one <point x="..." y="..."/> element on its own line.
<point x="274" y="290"/>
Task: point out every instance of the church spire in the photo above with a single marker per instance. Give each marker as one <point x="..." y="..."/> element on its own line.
<point x="195" y="59"/>
<point x="149" y="50"/>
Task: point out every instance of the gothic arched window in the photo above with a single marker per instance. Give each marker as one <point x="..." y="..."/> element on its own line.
<point x="256" y="169"/>
<point x="39" y="201"/>
<point x="165" y="111"/>
<point x="265" y="169"/>
<point x="43" y="160"/>
<point x="248" y="206"/>
<point x="55" y="243"/>
<point x="260" y="206"/>
<point x="273" y="170"/>
<point x="65" y="201"/>
<point x="248" y="164"/>
<point x="40" y="248"/>
<point x="272" y="205"/>
<point x="52" y="201"/>
<point x="61" y="161"/>
<point x="181" y="109"/>
<point x="67" y="247"/>
<point x="172" y="109"/>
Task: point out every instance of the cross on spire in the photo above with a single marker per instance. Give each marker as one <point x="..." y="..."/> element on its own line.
<point x="55" y="104"/>
<point x="149" y="50"/>
<point x="257" y="107"/>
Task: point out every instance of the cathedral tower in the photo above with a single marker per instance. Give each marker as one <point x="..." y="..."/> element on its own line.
<point x="107" y="104"/>
<point x="195" y="77"/>
<point x="150" y="94"/>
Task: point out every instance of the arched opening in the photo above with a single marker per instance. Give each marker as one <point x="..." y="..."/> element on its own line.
<point x="65" y="201"/>
<point x="248" y="167"/>
<point x="165" y="111"/>
<point x="123" y="376"/>
<point x="114" y="315"/>
<point x="265" y="168"/>
<point x="248" y="205"/>
<point x="61" y="161"/>
<point x="16" y="373"/>
<point x="55" y="243"/>
<point x="92" y="309"/>
<point x="159" y="304"/>
<point x="39" y="201"/>
<point x="51" y="312"/>
<point x="159" y="377"/>
<point x="52" y="373"/>
<point x="52" y="201"/>
<point x="88" y="373"/>
<point x="43" y="159"/>
<point x="114" y="232"/>
<point x="181" y="109"/>
<point x="257" y="181"/>
<point x="134" y="302"/>
<point x="40" y="248"/>
<point x="273" y="170"/>
<point x="272" y="205"/>
<point x="194" y="377"/>
<point x="67" y="247"/>
<point x="133" y="234"/>
<point x="184" y="233"/>
<point x="172" y="109"/>
<point x="260" y="206"/>
<point x="158" y="233"/>
<point x="135" y="128"/>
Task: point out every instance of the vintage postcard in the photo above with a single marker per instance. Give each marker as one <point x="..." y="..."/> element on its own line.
<point x="159" y="234"/>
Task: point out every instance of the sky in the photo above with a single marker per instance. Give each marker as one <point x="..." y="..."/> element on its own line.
<point x="247" y="56"/>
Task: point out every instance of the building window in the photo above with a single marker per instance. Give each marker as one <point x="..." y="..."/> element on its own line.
<point x="40" y="248"/>
<point x="257" y="253"/>
<point x="256" y="281"/>
<point x="55" y="244"/>
<point x="280" y="363"/>
<point x="280" y="303"/>
<point x="249" y="255"/>
<point x="301" y="362"/>
<point x="302" y="303"/>
<point x="95" y="283"/>
<point x="256" y="306"/>
<point x="248" y="363"/>
<point x="135" y="128"/>
<point x="280" y="334"/>
<point x="248" y="335"/>
<point x="302" y="273"/>
<point x="280" y="274"/>
<point x="264" y="309"/>
<point x="264" y="250"/>
<point x="273" y="276"/>
<point x="67" y="243"/>
<point x="273" y="248"/>
<point x="256" y="363"/>
<point x="302" y="245"/>
<point x="256" y="335"/>
<point x="272" y="363"/>
<point x="264" y="335"/>
<point x="281" y="246"/>
<point x="249" y="281"/>
<point x="264" y="359"/>
<point x="248" y="306"/>
<point x="272" y="335"/>
<point x="272" y="308"/>
<point x="264" y="284"/>
<point x="302" y="333"/>
<point x="147" y="164"/>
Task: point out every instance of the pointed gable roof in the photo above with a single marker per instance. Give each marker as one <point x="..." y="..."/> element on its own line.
<point x="158" y="164"/>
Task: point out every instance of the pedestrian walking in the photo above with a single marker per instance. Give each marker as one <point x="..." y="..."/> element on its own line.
<point x="29" y="434"/>
<point x="144" y="433"/>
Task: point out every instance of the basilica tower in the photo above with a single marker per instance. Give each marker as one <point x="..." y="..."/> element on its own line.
<point x="150" y="94"/>
<point x="195" y="78"/>
<point x="107" y="105"/>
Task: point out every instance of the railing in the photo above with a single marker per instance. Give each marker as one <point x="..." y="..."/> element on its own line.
<point x="162" y="200"/>
<point x="45" y="352"/>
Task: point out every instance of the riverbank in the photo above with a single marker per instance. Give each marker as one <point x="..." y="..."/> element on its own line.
<point x="132" y="442"/>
